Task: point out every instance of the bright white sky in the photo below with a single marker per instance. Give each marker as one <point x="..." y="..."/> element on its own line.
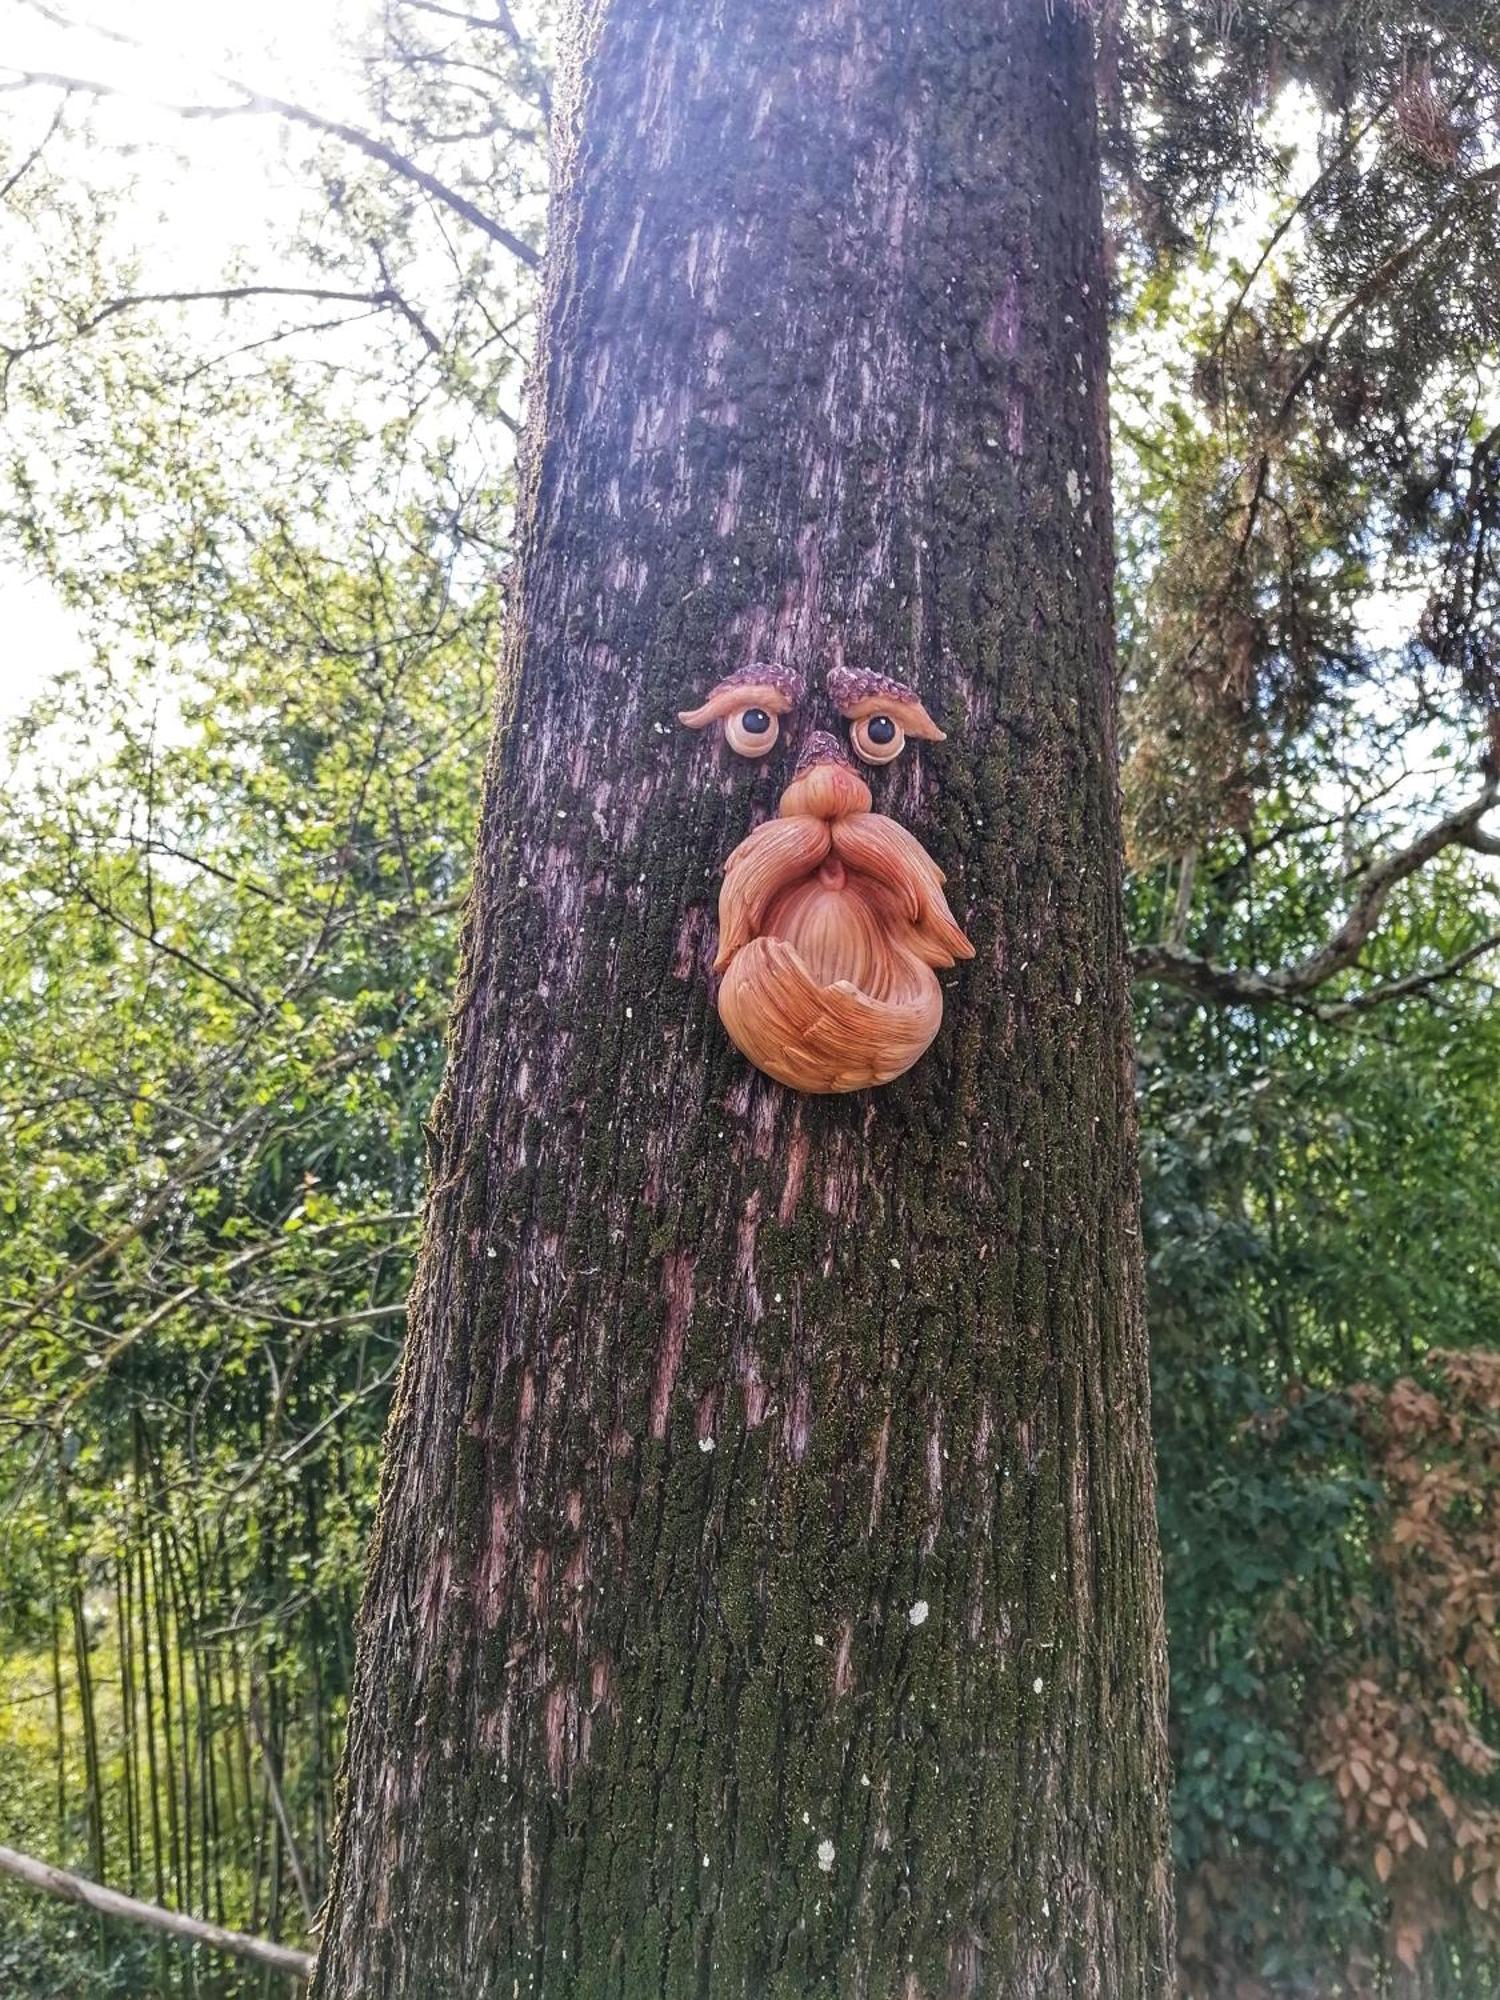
<point x="204" y="190"/>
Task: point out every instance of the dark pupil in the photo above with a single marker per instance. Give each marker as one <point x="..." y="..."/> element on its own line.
<point x="881" y="729"/>
<point x="756" y="722"/>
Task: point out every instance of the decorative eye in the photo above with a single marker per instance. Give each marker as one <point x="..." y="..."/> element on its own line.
<point x="751" y="731"/>
<point x="877" y="739"/>
<point x="881" y="713"/>
<point x="750" y="704"/>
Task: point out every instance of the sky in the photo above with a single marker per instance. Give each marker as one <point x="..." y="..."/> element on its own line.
<point x="202" y="190"/>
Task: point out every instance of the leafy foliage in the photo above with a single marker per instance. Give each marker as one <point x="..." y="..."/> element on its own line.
<point x="233" y="869"/>
<point x="1318" y="1209"/>
<point x="221" y="1005"/>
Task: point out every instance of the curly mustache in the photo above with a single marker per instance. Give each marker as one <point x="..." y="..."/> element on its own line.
<point x="829" y="930"/>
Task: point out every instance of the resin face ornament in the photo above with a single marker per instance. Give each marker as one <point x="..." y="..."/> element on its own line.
<point x="831" y="916"/>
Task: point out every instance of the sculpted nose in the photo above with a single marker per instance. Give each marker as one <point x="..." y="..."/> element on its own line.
<point x="825" y="784"/>
<point x="821" y="748"/>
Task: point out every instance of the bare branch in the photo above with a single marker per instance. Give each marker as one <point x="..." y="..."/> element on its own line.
<point x="255" y="103"/>
<point x="61" y="20"/>
<point x="391" y="293"/>
<point x="9" y="186"/>
<point x="485" y="26"/>
<point x="503" y="22"/>
<point x="386" y="299"/>
<point x="110" y="1903"/>
<point x="156" y="942"/>
<point x="240" y="1310"/>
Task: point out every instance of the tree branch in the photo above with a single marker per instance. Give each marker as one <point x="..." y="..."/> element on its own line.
<point x="110" y="1903"/>
<point x="156" y="942"/>
<point x="1414" y="982"/>
<point x="1345" y="153"/>
<point x="8" y="187"/>
<point x="199" y="1162"/>
<point x="196" y="1289"/>
<point x="502" y="22"/>
<point x="1381" y="279"/>
<point x="1315" y="358"/>
<point x="385" y="299"/>
<point x="257" y="103"/>
<point x="1230" y="985"/>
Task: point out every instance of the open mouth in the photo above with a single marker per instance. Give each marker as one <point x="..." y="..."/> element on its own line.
<point x="831" y="922"/>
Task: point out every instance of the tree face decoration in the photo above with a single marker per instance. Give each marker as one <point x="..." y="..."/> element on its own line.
<point x="831" y="916"/>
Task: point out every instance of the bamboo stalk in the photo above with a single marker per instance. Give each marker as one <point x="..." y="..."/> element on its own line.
<point x="129" y="1758"/>
<point x="214" y="1835"/>
<point x="58" y="1710"/>
<point x="153" y="1776"/>
<point x="169" y="1757"/>
<point x="111" y="1903"/>
<point x="283" y="1817"/>
<point x="93" y="1779"/>
<point x="181" y="1632"/>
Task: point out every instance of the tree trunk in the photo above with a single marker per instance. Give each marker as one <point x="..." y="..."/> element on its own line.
<point x="765" y="1597"/>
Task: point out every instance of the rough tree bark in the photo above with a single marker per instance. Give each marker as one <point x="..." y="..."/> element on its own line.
<point x="765" y="1598"/>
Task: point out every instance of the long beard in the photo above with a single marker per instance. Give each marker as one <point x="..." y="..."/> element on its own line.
<point x="828" y="935"/>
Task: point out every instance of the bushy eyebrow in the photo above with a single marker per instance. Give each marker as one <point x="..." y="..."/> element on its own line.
<point x="857" y="692"/>
<point x="762" y="685"/>
<point x="850" y="686"/>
